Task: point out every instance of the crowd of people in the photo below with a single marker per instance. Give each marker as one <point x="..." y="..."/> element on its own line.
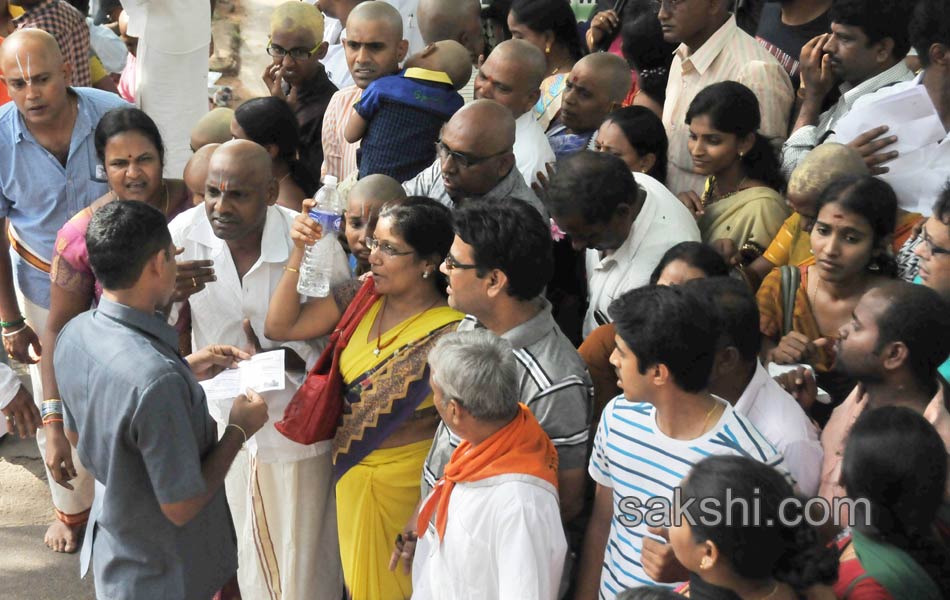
<point x="654" y="304"/>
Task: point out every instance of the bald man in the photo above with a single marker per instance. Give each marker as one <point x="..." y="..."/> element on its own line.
<point x="511" y="76"/>
<point x="596" y="85"/>
<point x="247" y="236"/>
<point x="297" y="75"/>
<point x="68" y="26"/>
<point x="363" y="203"/>
<point x="475" y="159"/>
<point x="337" y="14"/>
<point x="213" y="128"/>
<point x="374" y="48"/>
<point x="458" y="20"/>
<point x="50" y="173"/>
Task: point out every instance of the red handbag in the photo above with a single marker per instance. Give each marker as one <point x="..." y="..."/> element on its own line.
<point x="314" y="412"/>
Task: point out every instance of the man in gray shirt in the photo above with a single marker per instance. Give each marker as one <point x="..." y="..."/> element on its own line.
<point x="159" y="525"/>
<point x="475" y="160"/>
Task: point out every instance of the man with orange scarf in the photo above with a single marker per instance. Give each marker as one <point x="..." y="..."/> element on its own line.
<point x="492" y="523"/>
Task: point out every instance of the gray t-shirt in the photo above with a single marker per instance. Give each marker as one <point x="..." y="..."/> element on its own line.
<point x="144" y="428"/>
<point x="554" y="384"/>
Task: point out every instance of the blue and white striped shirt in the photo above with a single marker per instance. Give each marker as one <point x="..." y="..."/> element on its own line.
<point x="637" y="461"/>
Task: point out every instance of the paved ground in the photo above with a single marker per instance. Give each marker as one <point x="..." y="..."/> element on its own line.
<point x="28" y="569"/>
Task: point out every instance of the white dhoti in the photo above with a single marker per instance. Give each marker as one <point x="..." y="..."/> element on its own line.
<point x="72" y="506"/>
<point x="285" y="517"/>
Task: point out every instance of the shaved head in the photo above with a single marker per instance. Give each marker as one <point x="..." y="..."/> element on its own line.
<point x="294" y="16"/>
<point x="533" y="65"/>
<point x="824" y="164"/>
<point x="378" y="11"/>
<point x="37" y="79"/>
<point x="458" y="20"/>
<point x="614" y="73"/>
<point x="28" y="45"/>
<point x="376" y="188"/>
<point x="448" y="56"/>
<point x="196" y="171"/>
<point x="239" y="189"/>
<point x="213" y="128"/>
<point x="488" y="124"/>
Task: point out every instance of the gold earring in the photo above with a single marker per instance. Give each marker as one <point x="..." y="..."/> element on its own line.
<point x="548" y="49"/>
<point x="705" y="563"/>
<point x="425" y="274"/>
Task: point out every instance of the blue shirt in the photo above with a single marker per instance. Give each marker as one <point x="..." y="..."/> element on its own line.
<point x="37" y="194"/>
<point x="144" y="428"/>
<point x="404" y="113"/>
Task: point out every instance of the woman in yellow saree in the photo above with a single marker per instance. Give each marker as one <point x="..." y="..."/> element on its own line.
<point x="742" y="202"/>
<point x="388" y="416"/>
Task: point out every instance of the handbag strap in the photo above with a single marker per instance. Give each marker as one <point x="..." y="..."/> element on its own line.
<point x="354" y="313"/>
<point x="791" y="281"/>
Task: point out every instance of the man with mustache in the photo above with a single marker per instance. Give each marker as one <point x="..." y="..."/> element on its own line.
<point x="475" y="159"/>
<point x="49" y="174"/>
<point x="863" y="53"/>
<point x="241" y="229"/>
<point x="374" y="47"/>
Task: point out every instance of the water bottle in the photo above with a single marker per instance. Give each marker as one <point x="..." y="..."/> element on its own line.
<point x="317" y="264"/>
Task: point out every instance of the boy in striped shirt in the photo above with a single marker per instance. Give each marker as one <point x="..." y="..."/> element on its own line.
<point x="650" y="437"/>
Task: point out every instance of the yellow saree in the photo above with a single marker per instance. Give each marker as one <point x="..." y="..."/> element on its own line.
<point x="378" y="489"/>
<point x="753" y="215"/>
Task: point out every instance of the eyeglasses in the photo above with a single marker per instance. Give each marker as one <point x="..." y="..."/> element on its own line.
<point x="373" y="244"/>
<point x="463" y="160"/>
<point x="451" y="264"/>
<point x="933" y="248"/>
<point x="295" y="53"/>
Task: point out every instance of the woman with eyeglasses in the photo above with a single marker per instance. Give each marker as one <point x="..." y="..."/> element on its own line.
<point x="389" y="418"/>
<point x="296" y="75"/>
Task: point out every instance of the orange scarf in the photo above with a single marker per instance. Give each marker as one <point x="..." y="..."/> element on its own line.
<point x="519" y="447"/>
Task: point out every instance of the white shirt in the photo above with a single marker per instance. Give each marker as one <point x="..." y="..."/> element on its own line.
<point x="782" y="421"/>
<point x="919" y="176"/>
<point x="532" y="148"/>
<point x="503" y="540"/>
<point x="218" y="311"/>
<point x="662" y="223"/>
<point x="334" y="33"/>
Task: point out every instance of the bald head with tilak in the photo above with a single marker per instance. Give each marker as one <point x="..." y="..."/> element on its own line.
<point x="37" y="79"/>
<point x="457" y="20"/>
<point x="482" y="134"/>
<point x="512" y="75"/>
<point x="239" y="189"/>
<point x="597" y="85"/>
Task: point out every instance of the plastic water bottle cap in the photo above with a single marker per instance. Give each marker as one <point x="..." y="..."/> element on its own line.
<point x="330" y="180"/>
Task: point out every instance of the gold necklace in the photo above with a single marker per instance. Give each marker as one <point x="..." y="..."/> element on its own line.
<point x="712" y="194"/>
<point x="709" y="414"/>
<point x="379" y="327"/>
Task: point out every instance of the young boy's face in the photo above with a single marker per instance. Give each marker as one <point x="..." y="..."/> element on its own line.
<point x="361" y="216"/>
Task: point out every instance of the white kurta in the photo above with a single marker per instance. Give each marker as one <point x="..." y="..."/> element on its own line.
<point x="503" y="540"/>
<point x="280" y="492"/>
<point x="532" y="148"/>
<point x="662" y="223"/>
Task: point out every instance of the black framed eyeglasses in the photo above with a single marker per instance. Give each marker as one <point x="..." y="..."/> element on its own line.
<point x="295" y="53"/>
<point x="451" y="264"/>
<point x="384" y="247"/>
<point x="463" y="160"/>
<point x="933" y="248"/>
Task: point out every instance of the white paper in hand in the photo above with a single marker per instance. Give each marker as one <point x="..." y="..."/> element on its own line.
<point x="263" y="372"/>
<point x="910" y="115"/>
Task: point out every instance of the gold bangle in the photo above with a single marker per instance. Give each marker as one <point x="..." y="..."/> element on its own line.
<point x="239" y="428"/>
<point x="292" y="270"/>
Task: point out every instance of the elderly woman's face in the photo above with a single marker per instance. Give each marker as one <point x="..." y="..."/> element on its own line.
<point x="133" y="166"/>
<point x="396" y="267"/>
